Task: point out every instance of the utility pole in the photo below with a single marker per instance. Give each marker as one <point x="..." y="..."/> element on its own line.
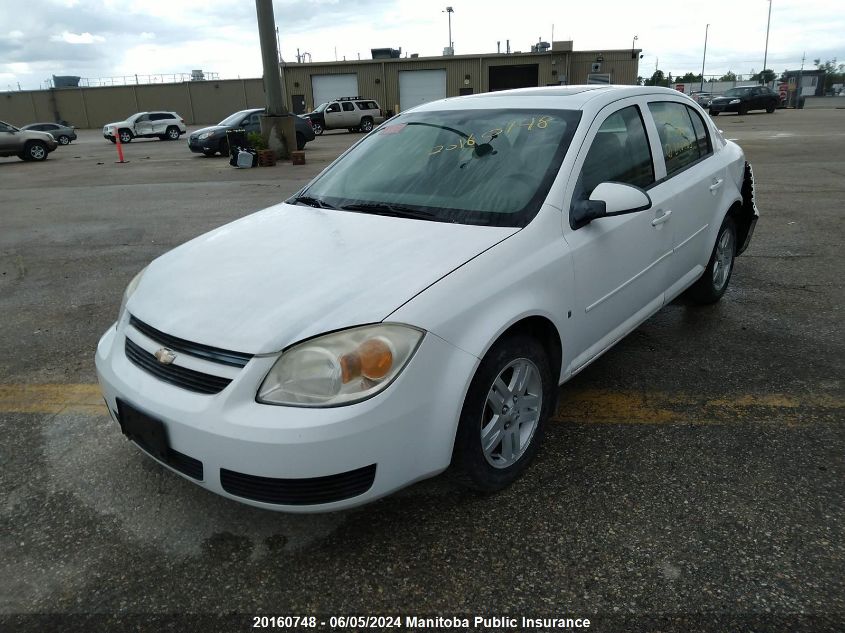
<point x="704" y="57"/>
<point x="766" y="52"/>
<point x="449" y="11"/>
<point x="277" y="127"/>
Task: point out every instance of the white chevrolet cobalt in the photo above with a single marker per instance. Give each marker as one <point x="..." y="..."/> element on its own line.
<point x="415" y="307"/>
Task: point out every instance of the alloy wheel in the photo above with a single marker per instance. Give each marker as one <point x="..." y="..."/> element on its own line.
<point x="511" y="413"/>
<point x="724" y="259"/>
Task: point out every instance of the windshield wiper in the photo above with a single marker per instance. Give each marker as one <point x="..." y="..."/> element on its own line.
<point x="392" y="210"/>
<point x="312" y="202"/>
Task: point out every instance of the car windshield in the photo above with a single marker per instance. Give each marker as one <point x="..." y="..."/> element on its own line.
<point x="10" y="126"/>
<point x="236" y="118"/>
<point x="737" y="92"/>
<point x="489" y="167"/>
<point x="321" y="107"/>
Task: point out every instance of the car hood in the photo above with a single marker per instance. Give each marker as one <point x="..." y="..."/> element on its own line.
<point x="724" y="99"/>
<point x="211" y="128"/>
<point x="38" y="134"/>
<point x="117" y="124"/>
<point x="291" y="272"/>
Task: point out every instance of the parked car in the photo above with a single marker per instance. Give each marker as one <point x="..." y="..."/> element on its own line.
<point x="63" y="134"/>
<point x="702" y="98"/>
<point x="25" y="144"/>
<point x="352" y="113"/>
<point x="167" y="126"/>
<point x="744" y="99"/>
<point x="211" y="140"/>
<point x="417" y="304"/>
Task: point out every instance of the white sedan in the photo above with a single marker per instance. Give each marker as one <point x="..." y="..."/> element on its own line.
<point x="415" y="307"/>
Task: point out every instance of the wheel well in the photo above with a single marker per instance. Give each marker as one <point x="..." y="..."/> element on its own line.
<point x="743" y="212"/>
<point x="544" y="331"/>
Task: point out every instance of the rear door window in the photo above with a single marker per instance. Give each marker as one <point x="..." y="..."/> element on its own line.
<point x="348" y="107"/>
<point x="678" y="138"/>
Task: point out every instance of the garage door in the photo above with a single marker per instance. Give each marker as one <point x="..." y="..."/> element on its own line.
<point x="420" y="86"/>
<point x="330" y="87"/>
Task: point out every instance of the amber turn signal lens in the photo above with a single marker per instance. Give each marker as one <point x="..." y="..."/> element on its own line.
<point x="373" y="359"/>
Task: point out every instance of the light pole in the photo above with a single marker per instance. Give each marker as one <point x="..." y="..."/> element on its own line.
<point x="766" y="52"/>
<point x="449" y="11"/>
<point x="633" y="46"/>
<point x="704" y="57"/>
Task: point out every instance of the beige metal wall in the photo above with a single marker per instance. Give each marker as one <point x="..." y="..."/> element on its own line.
<point x="379" y="79"/>
<point x="197" y="102"/>
<point x="211" y="101"/>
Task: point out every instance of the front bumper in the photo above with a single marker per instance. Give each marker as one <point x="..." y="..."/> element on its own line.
<point x="406" y="432"/>
<point x="724" y="107"/>
<point x="210" y="144"/>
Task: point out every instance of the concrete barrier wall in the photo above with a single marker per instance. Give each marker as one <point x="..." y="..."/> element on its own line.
<point x="825" y="102"/>
<point x="199" y="102"/>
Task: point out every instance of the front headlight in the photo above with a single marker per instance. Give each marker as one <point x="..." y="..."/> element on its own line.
<point x="205" y="135"/>
<point x="130" y="290"/>
<point x="733" y="101"/>
<point x="340" y="368"/>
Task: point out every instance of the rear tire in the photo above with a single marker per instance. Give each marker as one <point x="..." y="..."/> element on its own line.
<point x="493" y="446"/>
<point x="711" y="286"/>
<point x="172" y="133"/>
<point x="367" y="125"/>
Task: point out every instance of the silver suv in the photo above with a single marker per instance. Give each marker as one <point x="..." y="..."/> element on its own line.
<point x="25" y="144"/>
<point x="353" y="113"/>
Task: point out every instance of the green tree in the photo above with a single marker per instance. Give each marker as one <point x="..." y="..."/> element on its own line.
<point x="834" y="72"/>
<point x="728" y="76"/>
<point x="764" y="76"/>
<point x="689" y="78"/>
<point x="657" y="79"/>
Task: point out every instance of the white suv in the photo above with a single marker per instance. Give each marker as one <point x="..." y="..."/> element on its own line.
<point x="168" y="126"/>
<point x="353" y="113"/>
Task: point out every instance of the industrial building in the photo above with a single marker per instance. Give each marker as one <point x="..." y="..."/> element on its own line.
<point x="399" y="83"/>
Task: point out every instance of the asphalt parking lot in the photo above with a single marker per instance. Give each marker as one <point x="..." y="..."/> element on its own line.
<point x="696" y="470"/>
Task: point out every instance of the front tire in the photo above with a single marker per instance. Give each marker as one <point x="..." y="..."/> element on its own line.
<point x="223" y="147"/>
<point x="125" y="136"/>
<point x="34" y="150"/>
<point x="317" y="127"/>
<point x="300" y="141"/>
<point x="63" y="140"/>
<point x="714" y="113"/>
<point x="770" y="109"/>
<point x="712" y="285"/>
<point x="502" y="421"/>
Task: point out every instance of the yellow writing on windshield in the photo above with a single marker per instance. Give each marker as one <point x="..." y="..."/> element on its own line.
<point x="534" y="123"/>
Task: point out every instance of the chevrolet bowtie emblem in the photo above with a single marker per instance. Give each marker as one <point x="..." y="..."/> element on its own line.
<point x="165" y="356"/>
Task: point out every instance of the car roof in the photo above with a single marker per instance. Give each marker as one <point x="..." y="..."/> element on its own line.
<point x="560" y="97"/>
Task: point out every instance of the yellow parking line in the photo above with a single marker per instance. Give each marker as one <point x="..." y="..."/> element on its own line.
<point x="52" y="398"/>
<point x="584" y="405"/>
<point x="656" y="407"/>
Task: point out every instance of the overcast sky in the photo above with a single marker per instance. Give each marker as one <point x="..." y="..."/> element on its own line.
<point x="103" y="38"/>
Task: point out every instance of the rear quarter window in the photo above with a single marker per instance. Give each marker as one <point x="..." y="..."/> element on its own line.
<point x="367" y="105"/>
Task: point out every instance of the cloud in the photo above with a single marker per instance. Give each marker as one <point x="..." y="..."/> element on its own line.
<point x="77" y="38"/>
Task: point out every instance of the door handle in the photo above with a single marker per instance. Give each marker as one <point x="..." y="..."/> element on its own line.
<point x="661" y="218"/>
<point x="717" y="182"/>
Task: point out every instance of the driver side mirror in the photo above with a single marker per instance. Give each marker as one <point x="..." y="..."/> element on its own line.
<point x="607" y="200"/>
